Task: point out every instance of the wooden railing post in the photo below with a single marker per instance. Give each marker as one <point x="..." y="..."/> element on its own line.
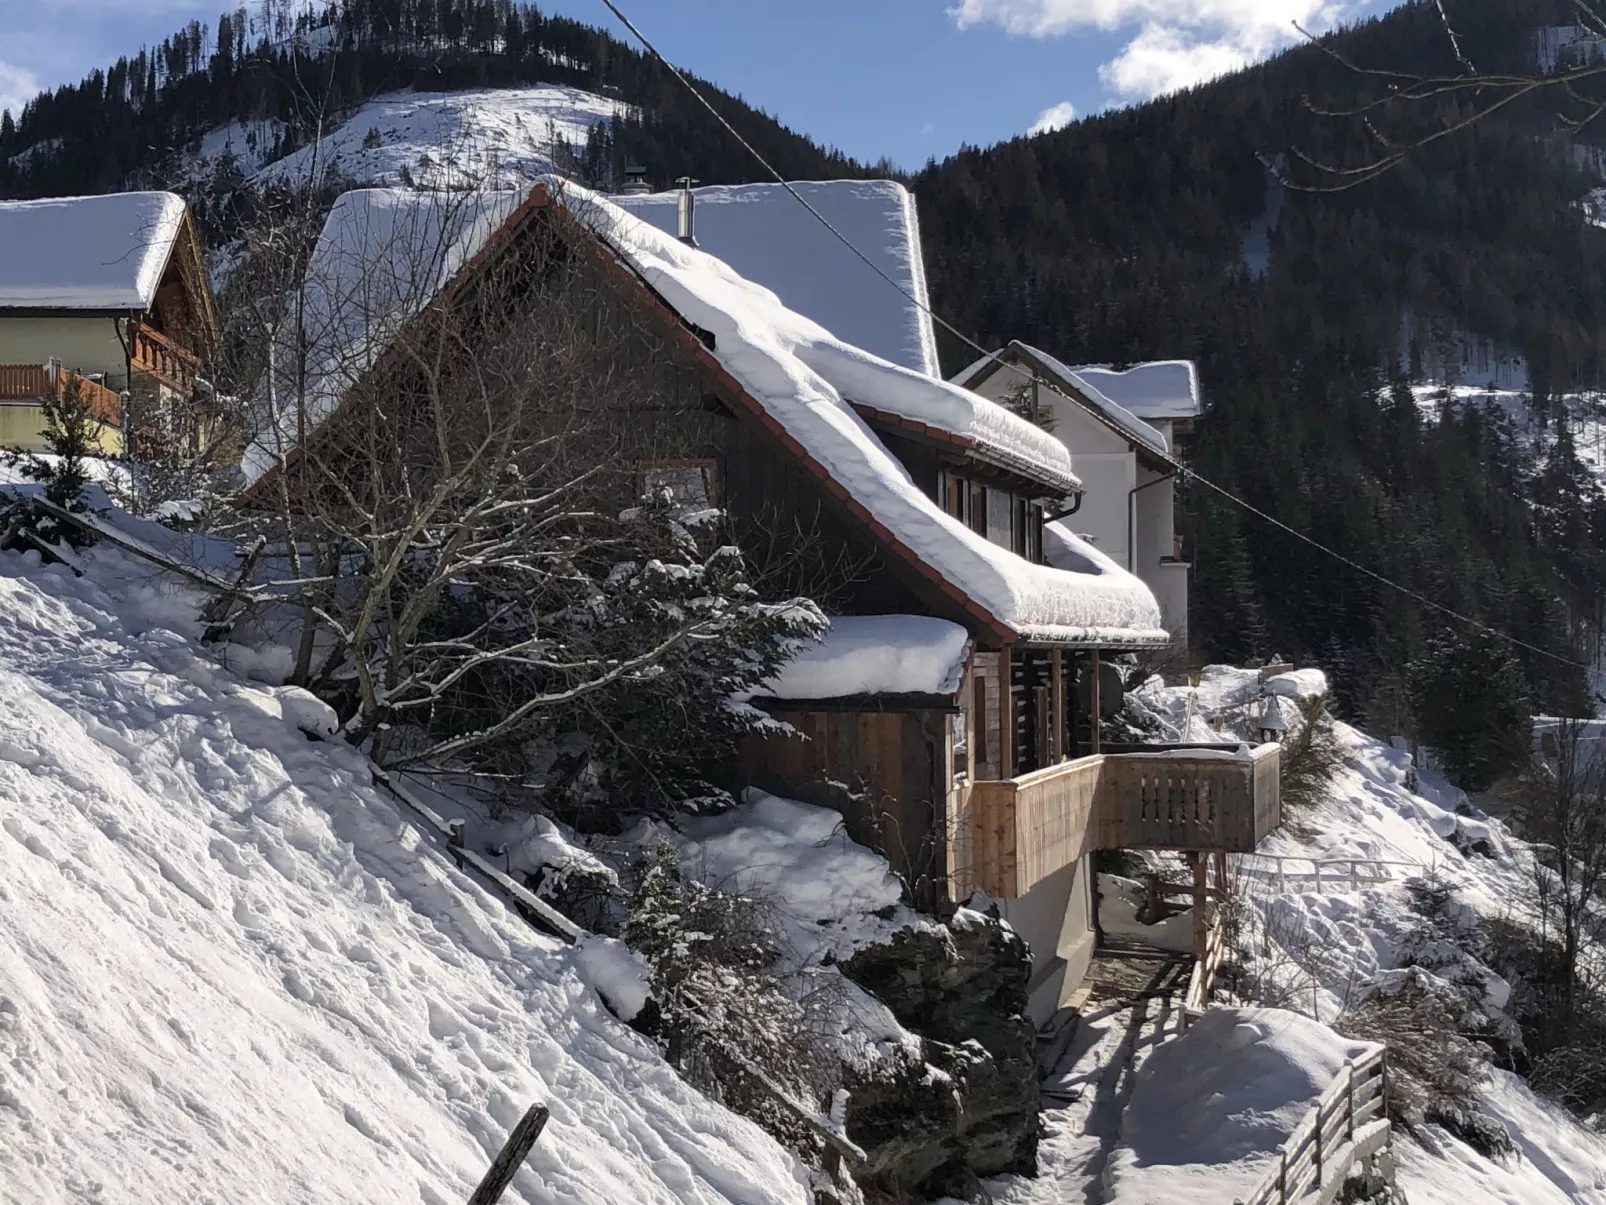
<point x="454" y="840"/>
<point x="514" y="1152"/>
<point x="1349" y="1103"/>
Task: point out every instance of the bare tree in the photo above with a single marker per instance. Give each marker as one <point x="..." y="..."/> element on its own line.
<point x="451" y="485"/>
<point x="1399" y="112"/>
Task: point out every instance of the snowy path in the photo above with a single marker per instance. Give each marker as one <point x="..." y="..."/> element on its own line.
<point x="230" y="971"/>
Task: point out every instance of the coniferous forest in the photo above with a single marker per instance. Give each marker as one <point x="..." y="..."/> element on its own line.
<point x="1119" y="238"/>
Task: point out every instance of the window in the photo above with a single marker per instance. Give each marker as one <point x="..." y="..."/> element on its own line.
<point x="689" y="482"/>
<point x="1000" y="518"/>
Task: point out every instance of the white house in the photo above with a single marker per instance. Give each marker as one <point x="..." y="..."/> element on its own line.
<point x="1122" y="428"/>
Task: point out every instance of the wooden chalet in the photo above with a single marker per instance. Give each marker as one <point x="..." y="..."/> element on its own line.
<point x="949" y="715"/>
<point x="111" y="290"/>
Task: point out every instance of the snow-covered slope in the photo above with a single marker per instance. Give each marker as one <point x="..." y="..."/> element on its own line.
<point x="229" y="968"/>
<point x="497" y="137"/>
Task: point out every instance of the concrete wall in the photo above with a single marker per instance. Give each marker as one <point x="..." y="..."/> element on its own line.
<point x="1055" y="918"/>
<point x="84" y="344"/>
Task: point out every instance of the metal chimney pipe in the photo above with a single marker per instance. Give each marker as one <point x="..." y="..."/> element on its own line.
<point x="685" y="210"/>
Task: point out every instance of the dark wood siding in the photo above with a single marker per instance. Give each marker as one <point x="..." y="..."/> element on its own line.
<point x="883" y="771"/>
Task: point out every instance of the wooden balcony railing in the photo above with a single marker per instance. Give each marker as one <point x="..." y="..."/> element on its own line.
<point x="154" y="353"/>
<point x="36" y="382"/>
<point x="1025" y="829"/>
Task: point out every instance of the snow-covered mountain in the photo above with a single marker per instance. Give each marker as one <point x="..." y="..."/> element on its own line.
<point x="228" y="962"/>
<point x="497" y="137"/>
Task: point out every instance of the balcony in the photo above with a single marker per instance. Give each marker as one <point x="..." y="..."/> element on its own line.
<point x="154" y="354"/>
<point x="1187" y="798"/>
<point x="31" y="384"/>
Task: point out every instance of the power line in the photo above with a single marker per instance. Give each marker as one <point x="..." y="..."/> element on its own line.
<point x="1032" y="376"/>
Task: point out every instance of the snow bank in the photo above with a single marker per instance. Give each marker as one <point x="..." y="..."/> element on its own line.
<point x="762" y="232"/>
<point x="1211" y="1110"/>
<point x="87" y="253"/>
<point x="876" y="654"/>
<point x="1300" y="684"/>
<point x="226" y="959"/>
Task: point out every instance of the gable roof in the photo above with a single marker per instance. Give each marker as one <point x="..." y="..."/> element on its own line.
<point x="1106" y="410"/>
<point x="784" y="370"/>
<point x="763" y="233"/>
<point x="87" y="253"/>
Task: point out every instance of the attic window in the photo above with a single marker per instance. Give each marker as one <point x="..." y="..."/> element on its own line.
<point x="689" y="482"/>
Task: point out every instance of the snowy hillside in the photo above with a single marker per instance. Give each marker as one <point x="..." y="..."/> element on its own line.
<point x="227" y="962"/>
<point x="501" y="137"/>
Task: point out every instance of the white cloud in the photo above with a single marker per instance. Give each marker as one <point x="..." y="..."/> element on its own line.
<point x="17" y="87"/>
<point x="1177" y="43"/>
<point x="1053" y="118"/>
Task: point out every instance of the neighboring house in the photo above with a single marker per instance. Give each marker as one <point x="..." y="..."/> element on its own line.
<point x="111" y="289"/>
<point x="1123" y="428"/>
<point x="762" y="232"/>
<point x="948" y="714"/>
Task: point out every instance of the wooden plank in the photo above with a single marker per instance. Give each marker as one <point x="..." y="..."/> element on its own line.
<point x="1006" y="713"/>
<point x="1098" y="714"/>
<point x="513" y="1153"/>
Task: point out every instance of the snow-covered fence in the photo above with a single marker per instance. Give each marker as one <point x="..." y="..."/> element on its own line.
<point x="1349" y="1123"/>
<point x="1341" y="874"/>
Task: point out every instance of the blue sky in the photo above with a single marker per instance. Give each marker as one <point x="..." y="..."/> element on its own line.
<point x="909" y="79"/>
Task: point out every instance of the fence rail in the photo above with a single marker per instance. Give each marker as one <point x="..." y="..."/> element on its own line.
<point x="1336" y="872"/>
<point x="1349" y="1122"/>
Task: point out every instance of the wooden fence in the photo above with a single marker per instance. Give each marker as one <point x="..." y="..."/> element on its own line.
<point x="154" y="353"/>
<point x="1341" y="874"/>
<point x="36" y="382"/>
<point x="1349" y="1123"/>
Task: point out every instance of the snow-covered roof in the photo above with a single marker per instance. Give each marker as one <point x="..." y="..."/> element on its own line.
<point x="1078" y="386"/>
<point x="382" y="255"/>
<point x="874" y="655"/>
<point x="1159" y="389"/>
<point x="87" y="253"/>
<point x="761" y="231"/>
<point x="806" y="380"/>
<point x="386" y="252"/>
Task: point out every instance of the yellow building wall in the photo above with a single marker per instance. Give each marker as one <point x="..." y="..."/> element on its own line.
<point x="84" y="344"/>
<point x="22" y="426"/>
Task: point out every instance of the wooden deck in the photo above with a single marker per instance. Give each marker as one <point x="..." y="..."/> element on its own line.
<point x="1024" y="829"/>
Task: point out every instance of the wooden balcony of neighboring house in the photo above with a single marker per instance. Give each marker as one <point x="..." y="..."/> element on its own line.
<point x="32" y="384"/>
<point x="154" y="354"/>
<point x="1200" y="799"/>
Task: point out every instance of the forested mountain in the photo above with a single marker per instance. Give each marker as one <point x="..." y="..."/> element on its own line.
<point x="1142" y="233"/>
<point x="1123" y="237"/>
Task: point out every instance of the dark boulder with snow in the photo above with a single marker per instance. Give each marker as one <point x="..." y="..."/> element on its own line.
<point x="971" y="1109"/>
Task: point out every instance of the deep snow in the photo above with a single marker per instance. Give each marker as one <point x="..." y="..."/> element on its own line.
<point x="229" y="968"/>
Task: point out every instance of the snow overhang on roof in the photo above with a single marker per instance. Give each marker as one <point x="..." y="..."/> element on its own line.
<point x="876" y="655"/>
<point x="104" y="253"/>
<point x="762" y="232"/>
<point x="1160" y="389"/>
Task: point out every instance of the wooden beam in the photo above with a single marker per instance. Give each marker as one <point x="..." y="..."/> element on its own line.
<point x="513" y="1154"/>
<point x="1006" y="712"/>
<point x="1056" y="707"/>
<point x="1097" y="709"/>
<point x="1201" y="922"/>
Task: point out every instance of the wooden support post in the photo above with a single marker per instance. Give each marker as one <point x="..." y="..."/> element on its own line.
<point x="1006" y="712"/>
<point x="454" y="840"/>
<point x="1097" y="710"/>
<point x="513" y="1154"/>
<point x="1201" y="923"/>
<point x="1056" y="707"/>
